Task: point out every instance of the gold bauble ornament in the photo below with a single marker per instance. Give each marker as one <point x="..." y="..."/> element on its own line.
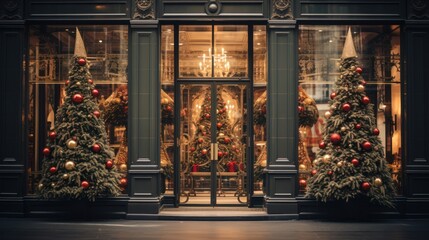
<point x="328" y="114"/>
<point x="123" y="167"/>
<point x="302" y="167"/>
<point x="360" y="88"/>
<point x="353" y="68"/>
<point x="53" y="184"/>
<point x="78" y="83"/>
<point x="69" y="165"/>
<point x="40" y="186"/>
<point x="65" y="176"/>
<point x="163" y="163"/>
<point x="221" y="134"/>
<point x="72" y="144"/>
<point x="315" y="161"/>
<point x="339" y="164"/>
<point x="164" y="101"/>
<point x="343" y="129"/>
<point x="327" y="158"/>
<point x="264" y="163"/>
<point x="378" y="182"/>
<point x="202" y="127"/>
<point x="308" y="101"/>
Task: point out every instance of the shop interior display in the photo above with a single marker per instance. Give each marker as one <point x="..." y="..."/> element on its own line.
<point x="78" y="162"/>
<point x="351" y="162"/>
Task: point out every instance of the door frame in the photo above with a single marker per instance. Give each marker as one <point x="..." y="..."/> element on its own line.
<point x="248" y="153"/>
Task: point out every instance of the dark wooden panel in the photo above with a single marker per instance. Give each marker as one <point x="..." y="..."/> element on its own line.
<point x="351" y="9"/>
<point x="417" y="76"/>
<point x="282" y="102"/>
<point x="77" y="9"/>
<point x="227" y="8"/>
<point x="418" y="184"/>
<point x="11" y="184"/>
<point x="11" y="96"/>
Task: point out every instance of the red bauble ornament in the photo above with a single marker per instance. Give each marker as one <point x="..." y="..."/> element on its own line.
<point x="200" y="140"/>
<point x="335" y="138"/>
<point x="346" y="107"/>
<point x="52" y="135"/>
<point x="97" y="113"/>
<point x="363" y="82"/>
<point x="300" y="109"/>
<point x="358" y="126"/>
<point x="313" y="172"/>
<point x="376" y="131"/>
<point x="227" y="140"/>
<point x="195" y="168"/>
<point x="192" y="149"/>
<point x="46" y="151"/>
<point x="67" y="82"/>
<point x="81" y="61"/>
<point x="355" y="162"/>
<point x="109" y="164"/>
<point x="90" y="81"/>
<point x="366" y="145"/>
<point x="169" y="108"/>
<point x="95" y="92"/>
<point x="219" y="125"/>
<point x="52" y="169"/>
<point x="359" y="70"/>
<point x="322" y="145"/>
<point x="84" y="184"/>
<point x="96" y="148"/>
<point x="207" y="116"/>
<point x="225" y="153"/>
<point x="365" y="100"/>
<point x="204" y="151"/>
<point x="366" y="186"/>
<point x="220" y="154"/>
<point x="330" y="172"/>
<point x="123" y="182"/>
<point x="77" y="98"/>
<point x="302" y="183"/>
<point x="233" y="147"/>
<point x="333" y="95"/>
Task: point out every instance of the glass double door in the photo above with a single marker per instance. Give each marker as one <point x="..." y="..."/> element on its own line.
<point x="213" y="144"/>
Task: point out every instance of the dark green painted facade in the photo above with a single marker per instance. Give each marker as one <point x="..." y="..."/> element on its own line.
<point x="144" y="19"/>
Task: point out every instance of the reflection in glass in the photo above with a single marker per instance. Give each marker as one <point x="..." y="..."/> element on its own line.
<point x="259" y="55"/>
<point x="378" y="49"/>
<point x="195" y="43"/>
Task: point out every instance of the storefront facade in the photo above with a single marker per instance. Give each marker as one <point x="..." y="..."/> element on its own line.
<point x="175" y="65"/>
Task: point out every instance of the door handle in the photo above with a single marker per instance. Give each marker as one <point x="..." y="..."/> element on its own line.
<point x="214" y="151"/>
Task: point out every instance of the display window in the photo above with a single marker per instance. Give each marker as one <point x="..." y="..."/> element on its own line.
<point x="321" y="79"/>
<point x="50" y="52"/>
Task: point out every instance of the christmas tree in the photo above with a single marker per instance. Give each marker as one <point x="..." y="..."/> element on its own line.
<point x="78" y="160"/>
<point x="229" y="146"/>
<point x="308" y="114"/>
<point x="351" y="161"/>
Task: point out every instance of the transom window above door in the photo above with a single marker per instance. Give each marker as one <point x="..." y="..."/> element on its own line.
<point x="207" y="51"/>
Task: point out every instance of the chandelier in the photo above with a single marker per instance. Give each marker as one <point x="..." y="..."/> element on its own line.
<point x="222" y="67"/>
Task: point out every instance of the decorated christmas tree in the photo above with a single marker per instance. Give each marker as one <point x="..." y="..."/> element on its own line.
<point x="229" y="146"/>
<point x="351" y="163"/>
<point x="78" y="162"/>
<point x="308" y="114"/>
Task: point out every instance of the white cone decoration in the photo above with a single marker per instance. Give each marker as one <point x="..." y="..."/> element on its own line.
<point x="79" y="47"/>
<point x="349" y="48"/>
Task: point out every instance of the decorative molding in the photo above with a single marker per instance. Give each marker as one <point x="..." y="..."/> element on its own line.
<point x="144" y="10"/>
<point x="282" y="9"/>
<point x="11" y="10"/>
<point x="418" y="9"/>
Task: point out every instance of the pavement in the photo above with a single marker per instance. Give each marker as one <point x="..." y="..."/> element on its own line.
<point x="33" y="228"/>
